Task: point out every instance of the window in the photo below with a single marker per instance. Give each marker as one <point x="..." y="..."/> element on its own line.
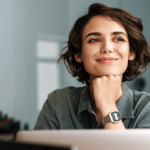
<point x="47" y="53"/>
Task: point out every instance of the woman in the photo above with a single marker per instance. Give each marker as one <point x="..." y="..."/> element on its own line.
<point x="106" y="47"/>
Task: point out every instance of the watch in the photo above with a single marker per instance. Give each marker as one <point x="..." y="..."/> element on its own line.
<point x="113" y="116"/>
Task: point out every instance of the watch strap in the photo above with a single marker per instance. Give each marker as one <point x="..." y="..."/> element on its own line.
<point x="106" y="119"/>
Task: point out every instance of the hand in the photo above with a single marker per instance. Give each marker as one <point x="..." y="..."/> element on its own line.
<point x="107" y="90"/>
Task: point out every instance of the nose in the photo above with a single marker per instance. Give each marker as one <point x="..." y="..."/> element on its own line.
<point x="106" y="47"/>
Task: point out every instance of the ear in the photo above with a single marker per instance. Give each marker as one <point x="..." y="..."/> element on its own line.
<point x="131" y="56"/>
<point x="78" y="58"/>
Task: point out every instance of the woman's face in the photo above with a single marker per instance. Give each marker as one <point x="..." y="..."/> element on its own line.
<point x="103" y="37"/>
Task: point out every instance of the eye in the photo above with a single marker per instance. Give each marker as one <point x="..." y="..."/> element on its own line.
<point x="120" y="39"/>
<point x="93" y="40"/>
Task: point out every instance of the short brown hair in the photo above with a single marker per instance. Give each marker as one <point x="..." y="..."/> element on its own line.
<point x="137" y="41"/>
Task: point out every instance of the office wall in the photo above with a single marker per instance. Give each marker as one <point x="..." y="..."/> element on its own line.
<point x="33" y="18"/>
<point x="7" y="81"/>
<point x="22" y="21"/>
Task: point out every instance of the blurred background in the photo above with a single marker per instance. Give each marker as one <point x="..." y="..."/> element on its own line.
<point x="32" y="33"/>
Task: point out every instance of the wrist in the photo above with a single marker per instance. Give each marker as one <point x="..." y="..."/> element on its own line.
<point x="106" y="109"/>
<point x="112" y="117"/>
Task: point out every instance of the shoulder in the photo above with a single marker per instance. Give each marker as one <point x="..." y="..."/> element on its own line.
<point x="63" y="96"/>
<point x="70" y="90"/>
<point x="141" y="96"/>
<point x="141" y="101"/>
<point x="141" y="109"/>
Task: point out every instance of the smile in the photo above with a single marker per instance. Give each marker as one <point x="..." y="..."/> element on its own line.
<point x="107" y="61"/>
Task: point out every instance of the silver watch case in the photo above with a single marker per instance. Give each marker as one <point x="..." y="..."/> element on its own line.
<point x="113" y="116"/>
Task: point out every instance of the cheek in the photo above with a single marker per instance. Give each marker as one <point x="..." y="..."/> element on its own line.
<point x="90" y="51"/>
<point x="124" y="59"/>
<point x="123" y="51"/>
<point x="87" y="53"/>
<point x="88" y="56"/>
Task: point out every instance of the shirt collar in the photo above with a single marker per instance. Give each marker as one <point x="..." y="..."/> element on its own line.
<point x="124" y="103"/>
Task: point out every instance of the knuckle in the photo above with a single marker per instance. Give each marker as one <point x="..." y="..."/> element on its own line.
<point x="118" y="78"/>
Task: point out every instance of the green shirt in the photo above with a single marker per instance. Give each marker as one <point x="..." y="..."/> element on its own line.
<point x="70" y="108"/>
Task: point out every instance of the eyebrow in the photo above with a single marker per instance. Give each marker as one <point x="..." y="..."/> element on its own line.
<point x="99" y="34"/>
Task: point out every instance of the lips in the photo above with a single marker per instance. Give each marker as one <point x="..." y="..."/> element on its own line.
<point x="106" y="58"/>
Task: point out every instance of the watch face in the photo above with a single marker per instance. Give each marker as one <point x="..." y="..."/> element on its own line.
<point x="116" y="116"/>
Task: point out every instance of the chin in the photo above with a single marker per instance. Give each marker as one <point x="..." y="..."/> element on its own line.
<point x="106" y="74"/>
